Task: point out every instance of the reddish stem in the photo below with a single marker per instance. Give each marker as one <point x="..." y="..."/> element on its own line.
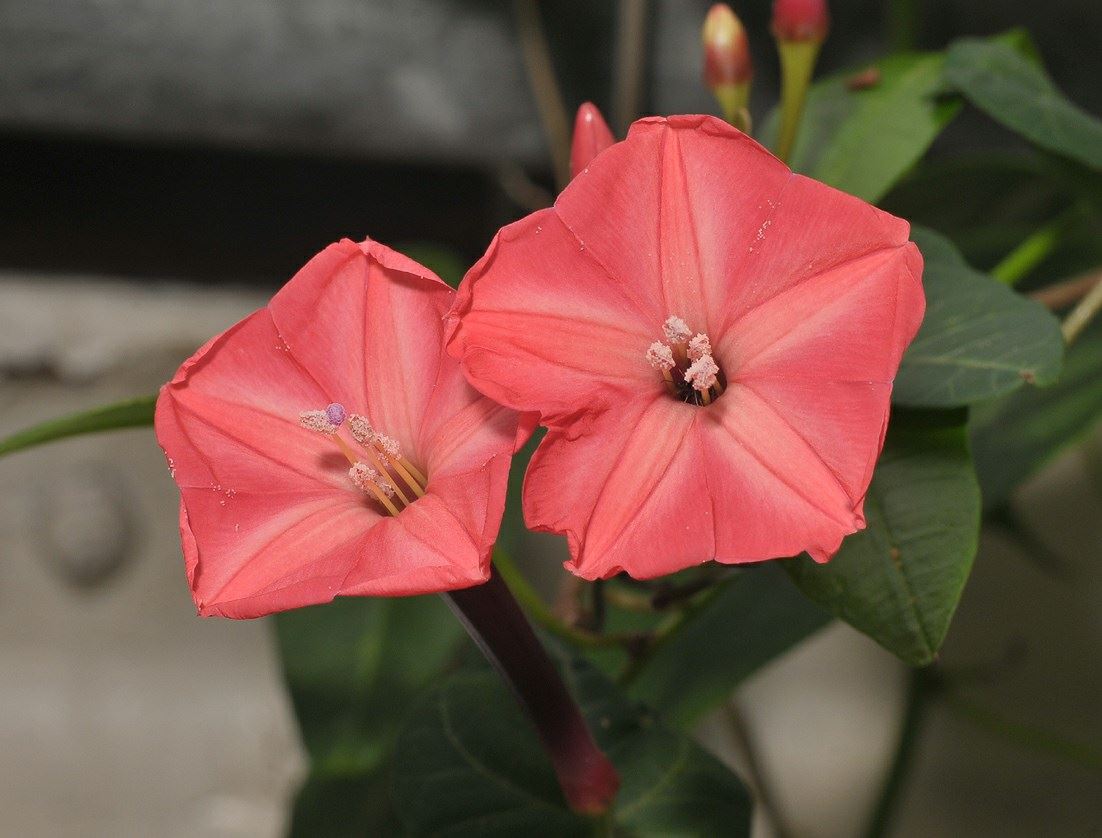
<point x="496" y="623"/>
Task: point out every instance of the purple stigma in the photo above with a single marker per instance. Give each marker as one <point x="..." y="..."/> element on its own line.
<point x="335" y="413"/>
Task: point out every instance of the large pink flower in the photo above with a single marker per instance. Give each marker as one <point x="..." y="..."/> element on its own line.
<point x="326" y="446"/>
<point x="711" y="341"/>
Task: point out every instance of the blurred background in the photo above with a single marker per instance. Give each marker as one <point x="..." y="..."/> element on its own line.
<point x="165" y="165"/>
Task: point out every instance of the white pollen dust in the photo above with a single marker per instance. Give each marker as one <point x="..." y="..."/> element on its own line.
<point x="699" y="346"/>
<point x="702" y="373"/>
<point x="361" y="429"/>
<point x="316" y="420"/>
<point x="660" y="356"/>
<point x="676" y="329"/>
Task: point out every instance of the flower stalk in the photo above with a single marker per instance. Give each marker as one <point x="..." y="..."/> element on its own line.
<point x="727" y="66"/>
<point x="495" y="622"/>
<point x="800" y="27"/>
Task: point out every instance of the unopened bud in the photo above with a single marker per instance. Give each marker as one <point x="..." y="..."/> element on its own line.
<point x="591" y="136"/>
<point x="727" y="67"/>
<point x="800" y="20"/>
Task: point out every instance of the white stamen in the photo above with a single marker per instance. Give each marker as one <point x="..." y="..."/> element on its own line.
<point x="660" y="356"/>
<point x="316" y="420"/>
<point x="361" y="429"/>
<point x="364" y="477"/>
<point x="389" y="445"/>
<point x="702" y="374"/>
<point x="676" y="329"/>
<point x="699" y="346"/>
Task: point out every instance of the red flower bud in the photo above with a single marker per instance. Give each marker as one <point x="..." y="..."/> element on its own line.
<point x="591" y="136"/>
<point x="800" y="20"/>
<point x="726" y="49"/>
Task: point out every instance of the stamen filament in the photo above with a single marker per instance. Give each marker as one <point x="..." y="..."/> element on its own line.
<point x="383" y="499"/>
<point x="380" y="459"/>
<point x="401" y="469"/>
<point x="348" y="455"/>
<point x="416" y="472"/>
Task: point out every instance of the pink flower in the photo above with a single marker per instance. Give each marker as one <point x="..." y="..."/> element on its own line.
<point x="591" y="136"/>
<point x="326" y="446"/>
<point x="711" y="341"/>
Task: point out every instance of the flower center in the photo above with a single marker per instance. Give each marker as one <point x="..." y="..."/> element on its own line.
<point x="377" y="467"/>
<point x="686" y="363"/>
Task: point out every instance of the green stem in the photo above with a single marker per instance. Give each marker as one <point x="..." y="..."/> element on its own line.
<point x="544" y="617"/>
<point x="661" y="635"/>
<point x="797" y="64"/>
<point x="1033" y="250"/>
<point x="918" y="695"/>
<point x="132" y="413"/>
<point x="1033" y="738"/>
<point x="1081" y="316"/>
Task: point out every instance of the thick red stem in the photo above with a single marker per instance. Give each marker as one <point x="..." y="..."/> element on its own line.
<point x="495" y="622"/>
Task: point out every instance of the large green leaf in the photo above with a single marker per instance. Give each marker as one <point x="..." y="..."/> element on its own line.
<point x="469" y="764"/>
<point x="131" y="413"/>
<point x="862" y="141"/>
<point x="743" y="625"/>
<point x="353" y="667"/>
<point x="979" y="339"/>
<point x="900" y="579"/>
<point x="1014" y="436"/>
<point x="1015" y="91"/>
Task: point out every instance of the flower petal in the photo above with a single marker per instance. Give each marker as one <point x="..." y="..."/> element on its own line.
<point x="365" y="323"/>
<point x="539" y="325"/>
<point x="849" y="323"/>
<point x="230" y="417"/>
<point x="774" y="495"/>
<point x="627" y="490"/>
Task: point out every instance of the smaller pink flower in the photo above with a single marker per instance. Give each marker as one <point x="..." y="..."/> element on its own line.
<point x="326" y="446"/>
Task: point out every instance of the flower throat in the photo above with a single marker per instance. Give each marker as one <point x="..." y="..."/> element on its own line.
<point x="378" y="468"/>
<point x="686" y="363"/>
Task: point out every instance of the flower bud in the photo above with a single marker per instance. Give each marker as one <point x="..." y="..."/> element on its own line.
<point x="800" y="20"/>
<point x="591" y="136"/>
<point x="727" y="66"/>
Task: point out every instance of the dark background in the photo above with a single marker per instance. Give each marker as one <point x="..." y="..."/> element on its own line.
<point x="230" y="141"/>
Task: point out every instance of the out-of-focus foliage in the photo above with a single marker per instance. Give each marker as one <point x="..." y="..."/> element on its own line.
<point x="979" y="339"/>
<point x="468" y="763"/>
<point x="900" y="579"/>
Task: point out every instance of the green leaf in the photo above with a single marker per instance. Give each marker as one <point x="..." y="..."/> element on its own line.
<point x="979" y="339"/>
<point x="131" y="413"/>
<point x="1015" y="91"/>
<point x="863" y="141"/>
<point x="1014" y="436"/>
<point x="900" y="579"/>
<point x="353" y="667"/>
<point x="745" y="623"/>
<point x="469" y="764"/>
<point x="438" y="258"/>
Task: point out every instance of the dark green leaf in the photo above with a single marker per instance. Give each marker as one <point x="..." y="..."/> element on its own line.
<point x="863" y="141"/>
<point x="1014" y="436"/>
<point x="438" y="258"/>
<point x="744" y="624"/>
<point x="979" y="339"/>
<point x="998" y="200"/>
<point x="1013" y="90"/>
<point x="469" y="764"/>
<point x="900" y="579"/>
<point x="131" y="413"/>
<point x="353" y="667"/>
